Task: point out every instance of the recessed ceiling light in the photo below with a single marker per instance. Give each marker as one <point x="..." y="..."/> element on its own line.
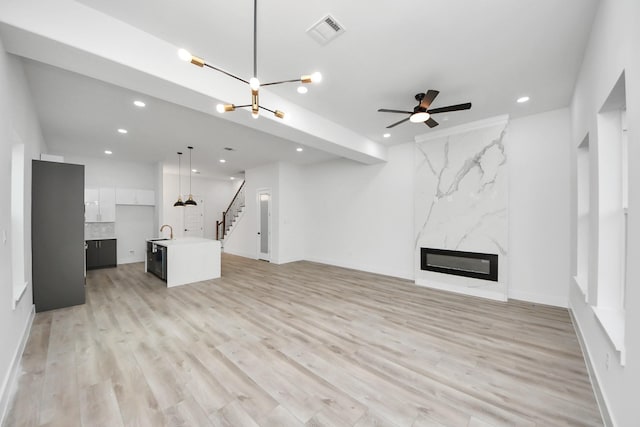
<point x="222" y="161"/>
<point x="122" y="131"/>
<point x="299" y="149"/>
<point x="108" y="152"/>
<point x="386" y="135"/>
<point x="194" y="170"/>
<point x="232" y="178"/>
<point x="522" y="99"/>
<point x="302" y="89"/>
<point x="139" y="104"/>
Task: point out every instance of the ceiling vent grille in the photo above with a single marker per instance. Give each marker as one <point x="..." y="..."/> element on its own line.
<point x="325" y="30"/>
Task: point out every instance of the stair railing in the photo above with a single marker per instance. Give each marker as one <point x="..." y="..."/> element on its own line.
<point x="236" y="205"/>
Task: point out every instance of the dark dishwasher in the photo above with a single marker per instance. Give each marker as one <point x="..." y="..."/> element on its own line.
<point x="157" y="260"/>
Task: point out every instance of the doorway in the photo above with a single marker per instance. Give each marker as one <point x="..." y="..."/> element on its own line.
<point x="264" y="224"/>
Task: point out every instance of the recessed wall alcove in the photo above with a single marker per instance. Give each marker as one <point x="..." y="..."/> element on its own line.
<point x="608" y="291"/>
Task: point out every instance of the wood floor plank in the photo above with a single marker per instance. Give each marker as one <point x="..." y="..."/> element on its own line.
<point x="298" y="344"/>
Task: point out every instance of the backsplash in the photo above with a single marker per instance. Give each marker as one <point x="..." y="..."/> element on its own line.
<point x="99" y="230"/>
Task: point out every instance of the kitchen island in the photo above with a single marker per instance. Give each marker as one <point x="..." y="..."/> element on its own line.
<point x="185" y="260"/>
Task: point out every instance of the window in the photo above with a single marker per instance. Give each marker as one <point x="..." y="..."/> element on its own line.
<point x="612" y="204"/>
<point x="583" y="216"/>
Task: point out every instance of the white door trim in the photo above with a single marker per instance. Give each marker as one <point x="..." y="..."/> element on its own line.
<point x="262" y="255"/>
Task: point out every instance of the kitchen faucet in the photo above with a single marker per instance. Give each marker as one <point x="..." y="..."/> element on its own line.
<point x="170" y="229"/>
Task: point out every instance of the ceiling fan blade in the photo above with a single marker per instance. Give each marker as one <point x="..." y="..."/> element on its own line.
<point x="397" y="123"/>
<point x="431" y="123"/>
<point x="457" y="107"/>
<point x="386" y="110"/>
<point x="428" y="98"/>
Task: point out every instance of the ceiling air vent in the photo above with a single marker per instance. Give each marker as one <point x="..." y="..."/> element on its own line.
<point x="325" y="30"/>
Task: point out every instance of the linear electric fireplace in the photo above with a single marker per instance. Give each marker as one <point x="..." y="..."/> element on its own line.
<point x="468" y="264"/>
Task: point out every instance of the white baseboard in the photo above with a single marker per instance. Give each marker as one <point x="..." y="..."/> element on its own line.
<point x="239" y="253"/>
<point x="286" y="260"/>
<point x="595" y="384"/>
<point x="9" y="386"/>
<point x="474" y="292"/>
<point x="556" y="301"/>
<point x="361" y="267"/>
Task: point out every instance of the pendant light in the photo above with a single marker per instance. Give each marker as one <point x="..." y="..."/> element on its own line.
<point x="190" y="201"/>
<point x="179" y="202"/>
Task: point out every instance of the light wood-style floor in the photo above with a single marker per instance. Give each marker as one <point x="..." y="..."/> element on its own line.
<point x="298" y="344"/>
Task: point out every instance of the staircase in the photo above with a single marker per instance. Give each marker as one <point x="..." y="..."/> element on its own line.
<point x="231" y="215"/>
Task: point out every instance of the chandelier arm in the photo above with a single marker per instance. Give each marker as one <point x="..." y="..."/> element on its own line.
<point x="243" y="106"/>
<point x="226" y="72"/>
<point x="280" y="82"/>
<point x="265" y="108"/>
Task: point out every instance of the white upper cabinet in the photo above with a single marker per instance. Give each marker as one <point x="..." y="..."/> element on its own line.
<point x="99" y="205"/>
<point x="146" y="197"/>
<point x="126" y="196"/>
<point x="132" y="196"/>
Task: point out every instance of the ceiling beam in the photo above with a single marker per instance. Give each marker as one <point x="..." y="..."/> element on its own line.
<point x="74" y="37"/>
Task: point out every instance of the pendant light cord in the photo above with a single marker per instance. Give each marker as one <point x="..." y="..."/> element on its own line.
<point x="190" y="170"/>
<point x="255" y="38"/>
<point x="179" y="177"/>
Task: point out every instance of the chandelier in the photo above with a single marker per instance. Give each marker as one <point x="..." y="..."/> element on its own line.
<point x="253" y="82"/>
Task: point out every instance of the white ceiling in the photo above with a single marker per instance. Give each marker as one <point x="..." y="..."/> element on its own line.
<point x="486" y="52"/>
<point x="80" y="116"/>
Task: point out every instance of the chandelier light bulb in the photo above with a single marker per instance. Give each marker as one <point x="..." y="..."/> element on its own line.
<point x="316" y="77"/>
<point x="184" y="54"/>
<point x="220" y="108"/>
<point x="255" y="115"/>
<point x="254" y="83"/>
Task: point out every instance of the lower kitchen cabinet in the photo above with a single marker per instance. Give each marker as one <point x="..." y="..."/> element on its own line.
<point x="101" y="253"/>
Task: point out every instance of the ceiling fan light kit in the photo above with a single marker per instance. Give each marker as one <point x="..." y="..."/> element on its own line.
<point x="420" y="116"/>
<point x="422" y="113"/>
<point x="254" y="82"/>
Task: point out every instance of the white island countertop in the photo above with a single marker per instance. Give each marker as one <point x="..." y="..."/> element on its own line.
<point x="182" y="241"/>
<point x="191" y="259"/>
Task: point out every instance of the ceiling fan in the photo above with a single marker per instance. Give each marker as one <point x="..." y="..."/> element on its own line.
<point x="422" y="113"/>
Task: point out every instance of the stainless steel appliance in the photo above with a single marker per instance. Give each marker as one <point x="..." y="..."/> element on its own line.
<point x="157" y="260"/>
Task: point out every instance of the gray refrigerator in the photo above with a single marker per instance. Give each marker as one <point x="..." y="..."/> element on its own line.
<point x="57" y="235"/>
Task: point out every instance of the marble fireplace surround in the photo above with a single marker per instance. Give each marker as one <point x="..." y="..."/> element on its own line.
<point x="460" y="202"/>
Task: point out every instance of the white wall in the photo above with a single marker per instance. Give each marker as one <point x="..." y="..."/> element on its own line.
<point x="243" y="239"/>
<point x="134" y="224"/>
<point x="362" y="216"/>
<point x="614" y="46"/>
<point x="292" y="223"/>
<point x="216" y="193"/>
<point x="538" y="151"/>
<point x="18" y="125"/>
